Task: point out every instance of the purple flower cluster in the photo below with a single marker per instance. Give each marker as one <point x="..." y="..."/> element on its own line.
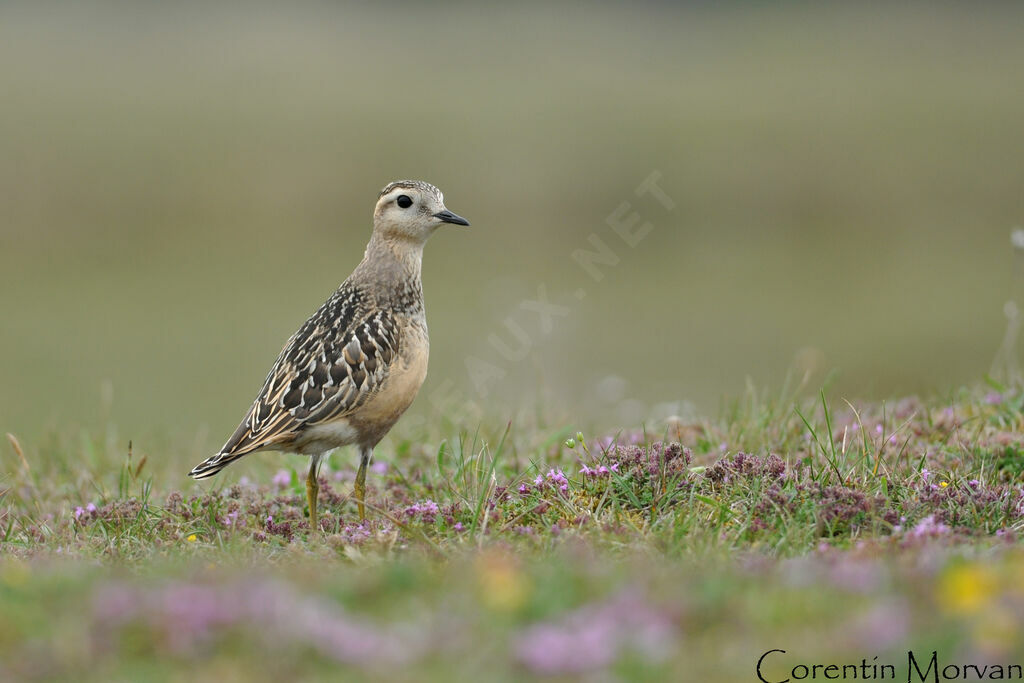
<point x="650" y="466"/>
<point x="231" y="519"/>
<point x="928" y="527"/>
<point x="427" y="511"/>
<point x="654" y="461"/>
<point x="352" y="534"/>
<point x="88" y="511"/>
<point x="554" y="479"/>
<point x="744" y="466"/>
<point x="188" y="618"/>
<point x="283" y="528"/>
<point x="593" y="637"/>
<point x="557" y="478"/>
<point x="599" y="471"/>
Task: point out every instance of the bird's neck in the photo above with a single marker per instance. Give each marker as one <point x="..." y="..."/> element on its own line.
<point x="391" y="260"/>
<point x="395" y="252"/>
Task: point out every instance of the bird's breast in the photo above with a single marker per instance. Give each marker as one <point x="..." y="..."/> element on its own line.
<point x="396" y="394"/>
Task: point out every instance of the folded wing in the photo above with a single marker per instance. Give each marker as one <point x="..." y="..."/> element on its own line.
<point x="336" y="362"/>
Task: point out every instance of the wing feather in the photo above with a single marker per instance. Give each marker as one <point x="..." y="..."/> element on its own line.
<point x="336" y="362"/>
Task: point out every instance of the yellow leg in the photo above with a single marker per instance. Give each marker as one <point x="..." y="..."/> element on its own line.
<point x="364" y="460"/>
<point x="312" y="489"/>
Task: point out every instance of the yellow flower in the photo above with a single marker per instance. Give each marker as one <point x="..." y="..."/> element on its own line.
<point x="503" y="586"/>
<point x="191" y="538"/>
<point x="943" y="484"/>
<point x="967" y="589"/>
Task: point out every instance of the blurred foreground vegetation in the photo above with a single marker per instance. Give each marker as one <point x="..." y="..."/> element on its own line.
<point x="180" y="186"/>
<point x="835" y="532"/>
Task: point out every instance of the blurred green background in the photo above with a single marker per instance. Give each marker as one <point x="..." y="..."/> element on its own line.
<point x="181" y="186"/>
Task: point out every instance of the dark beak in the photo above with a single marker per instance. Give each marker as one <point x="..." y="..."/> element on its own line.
<point x="449" y="217"/>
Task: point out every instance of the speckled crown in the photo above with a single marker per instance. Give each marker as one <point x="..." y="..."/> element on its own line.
<point x="412" y="184"/>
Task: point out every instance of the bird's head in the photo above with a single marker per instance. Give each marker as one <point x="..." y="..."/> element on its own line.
<point x="411" y="210"/>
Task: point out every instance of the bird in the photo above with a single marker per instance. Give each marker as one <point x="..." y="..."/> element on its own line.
<point x="355" y="366"/>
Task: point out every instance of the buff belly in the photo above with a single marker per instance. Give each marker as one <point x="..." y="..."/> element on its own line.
<point x="374" y="418"/>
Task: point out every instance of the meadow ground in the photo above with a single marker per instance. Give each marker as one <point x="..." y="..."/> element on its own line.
<point x="183" y="183"/>
<point x="841" y="534"/>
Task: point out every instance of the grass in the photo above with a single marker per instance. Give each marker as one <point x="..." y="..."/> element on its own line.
<point x="179" y="184"/>
<point x="834" y="531"/>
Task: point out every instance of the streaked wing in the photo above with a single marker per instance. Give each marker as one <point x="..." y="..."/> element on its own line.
<point x="331" y="366"/>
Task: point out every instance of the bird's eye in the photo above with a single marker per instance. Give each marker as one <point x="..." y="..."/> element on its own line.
<point x="404" y="201"/>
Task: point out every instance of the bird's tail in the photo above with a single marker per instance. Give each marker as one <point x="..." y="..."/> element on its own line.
<point x="241" y="443"/>
<point x="213" y="465"/>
